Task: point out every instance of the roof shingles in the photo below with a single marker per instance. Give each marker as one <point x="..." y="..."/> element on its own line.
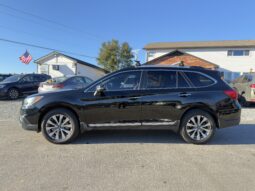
<point x="201" y="44"/>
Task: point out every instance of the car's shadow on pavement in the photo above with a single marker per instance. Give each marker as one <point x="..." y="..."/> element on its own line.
<point x="10" y="100"/>
<point x="239" y="135"/>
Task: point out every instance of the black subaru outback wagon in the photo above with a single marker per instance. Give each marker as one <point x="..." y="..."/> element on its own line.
<point x="191" y="101"/>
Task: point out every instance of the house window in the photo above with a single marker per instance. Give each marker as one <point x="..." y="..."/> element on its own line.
<point x="55" y="67"/>
<point x="238" y="52"/>
<point x="151" y="54"/>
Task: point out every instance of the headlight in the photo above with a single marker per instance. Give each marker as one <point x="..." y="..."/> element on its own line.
<point x="30" y="101"/>
<point x="2" y="86"/>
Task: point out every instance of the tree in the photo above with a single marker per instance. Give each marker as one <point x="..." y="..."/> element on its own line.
<point x="113" y="56"/>
<point x="126" y="56"/>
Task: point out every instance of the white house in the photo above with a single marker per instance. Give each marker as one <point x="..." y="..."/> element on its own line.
<point x="233" y="57"/>
<point x="57" y="64"/>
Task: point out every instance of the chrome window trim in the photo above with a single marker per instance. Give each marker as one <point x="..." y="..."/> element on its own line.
<point x="155" y="69"/>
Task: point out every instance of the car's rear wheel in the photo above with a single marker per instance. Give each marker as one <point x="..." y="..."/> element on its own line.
<point x="60" y="126"/>
<point x="197" y="127"/>
<point x="13" y="93"/>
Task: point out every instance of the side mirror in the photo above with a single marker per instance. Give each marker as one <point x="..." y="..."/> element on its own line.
<point x="99" y="91"/>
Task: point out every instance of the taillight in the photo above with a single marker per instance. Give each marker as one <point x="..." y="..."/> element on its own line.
<point x="232" y="94"/>
<point x="252" y="86"/>
<point x="58" y="86"/>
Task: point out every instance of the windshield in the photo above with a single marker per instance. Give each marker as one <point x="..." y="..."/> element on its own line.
<point x="14" y="78"/>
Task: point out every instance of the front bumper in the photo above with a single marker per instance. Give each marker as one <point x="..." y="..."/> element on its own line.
<point x="3" y="93"/>
<point x="29" y="119"/>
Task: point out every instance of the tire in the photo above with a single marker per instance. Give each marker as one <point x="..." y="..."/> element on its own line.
<point x="192" y="132"/>
<point x="60" y="126"/>
<point x="13" y="93"/>
<point x="243" y="101"/>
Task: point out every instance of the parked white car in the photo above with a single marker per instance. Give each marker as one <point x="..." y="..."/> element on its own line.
<point x="60" y="83"/>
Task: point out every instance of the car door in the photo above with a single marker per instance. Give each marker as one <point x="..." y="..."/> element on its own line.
<point x="27" y="84"/>
<point x="37" y="79"/>
<point x="160" y="98"/>
<point x="119" y="104"/>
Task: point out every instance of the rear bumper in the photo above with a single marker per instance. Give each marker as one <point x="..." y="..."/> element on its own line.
<point x="230" y="118"/>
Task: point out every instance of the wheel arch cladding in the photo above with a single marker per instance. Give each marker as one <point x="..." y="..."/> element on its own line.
<point x="203" y="108"/>
<point x="53" y="107"/>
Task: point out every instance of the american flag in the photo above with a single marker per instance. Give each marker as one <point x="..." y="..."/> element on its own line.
<point x="26" y="58"/>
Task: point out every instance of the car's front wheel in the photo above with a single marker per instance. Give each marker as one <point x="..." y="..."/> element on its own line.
<point x="13" y="93"/>
<point x="197" y="127"/>
<point x="60" y="126"/>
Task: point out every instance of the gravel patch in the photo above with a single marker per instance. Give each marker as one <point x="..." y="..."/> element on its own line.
<point x="10" y="110"/>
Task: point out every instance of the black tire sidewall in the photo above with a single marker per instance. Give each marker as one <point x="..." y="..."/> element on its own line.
<point x="243" y="102"/>
<point x="186" y="118"/>
<point x="67" y="113"/>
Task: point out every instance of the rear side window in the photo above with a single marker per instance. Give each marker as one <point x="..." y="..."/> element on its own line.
<point x="182" y="83"/>
<point x="199" y="80"/>
<point x="160" y="79"/>
<point x="40" y="78"/>
<point x="75" y="80"/>
<point x="87" y="80"/>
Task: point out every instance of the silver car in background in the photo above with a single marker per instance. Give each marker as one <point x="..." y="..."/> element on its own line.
<point x="245" y="86"/>
<point x="64" y="83"/>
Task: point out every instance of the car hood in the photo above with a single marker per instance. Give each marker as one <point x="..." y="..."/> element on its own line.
<point x="57" y="93"/>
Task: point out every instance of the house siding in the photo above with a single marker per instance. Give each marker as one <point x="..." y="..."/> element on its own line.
<point x="90" y="72"/>
<point x="68" y="67"/>
<point x="218" y="56"/>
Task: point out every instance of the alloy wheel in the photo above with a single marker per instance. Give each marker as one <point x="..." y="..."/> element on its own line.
<point x="59" y="127"/>
<point x="13" y="94"/>
<point x="198" y="127"/>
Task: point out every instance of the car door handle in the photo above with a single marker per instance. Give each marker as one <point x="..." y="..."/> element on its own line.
<point x="184" y="94"/>
<point x="134" y="98"/>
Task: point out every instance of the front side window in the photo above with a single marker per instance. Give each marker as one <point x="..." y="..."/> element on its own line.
<point x="160" y="79"/>
<point x="28" y="78"/>
<point x="238" y="52"/>
<point x="123" y="81"/>
<point x="120" y="82"/>
<point x="199" y="80"/>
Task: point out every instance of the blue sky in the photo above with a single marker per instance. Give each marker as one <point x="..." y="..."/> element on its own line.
<point x="137" y="22"/>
